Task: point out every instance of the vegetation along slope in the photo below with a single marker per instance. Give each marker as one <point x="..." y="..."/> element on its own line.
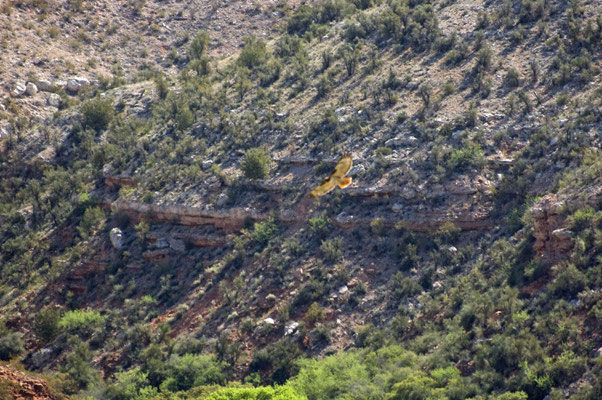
<point x="157" y="236"/>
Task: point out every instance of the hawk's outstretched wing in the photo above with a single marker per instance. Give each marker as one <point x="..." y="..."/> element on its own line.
<point x="336" y="178"/>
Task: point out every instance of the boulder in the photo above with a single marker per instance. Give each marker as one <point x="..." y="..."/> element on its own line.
<point x="19" y="89"/>
<point x="44" y="85"/>
<point x="54" y="100"/>
<point x="408" y="193"/>
<point x="77" y="83"/>
<point x="290" y="328"/>
<point x="31" y="89"/>
<point x="116" y="237"/>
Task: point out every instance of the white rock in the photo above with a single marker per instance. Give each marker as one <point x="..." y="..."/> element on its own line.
<point x="269" y="321"/>
<point x="75" y="84"/>
<point x="397" y="208"/>
<point x="19" y="89"/>
<point x="343" y="290"/>
<point x="44" y="85"/>
<point x="2" y="107"/>
<point x="54" y="100"/>
<point x="291" y="328"/>
<point x="116" y="237"/>
<point x="343" y="218"/>
<point x="207" y="164"/>
<point x="31" y="89"/>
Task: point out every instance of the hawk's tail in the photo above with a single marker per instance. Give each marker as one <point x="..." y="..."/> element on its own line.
<point x="344" y="182"/>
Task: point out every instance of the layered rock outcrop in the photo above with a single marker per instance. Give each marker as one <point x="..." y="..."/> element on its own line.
<point x="553" y="241"/>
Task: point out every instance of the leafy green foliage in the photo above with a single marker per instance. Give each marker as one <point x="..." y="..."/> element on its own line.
<point x="97" y="113"/>
<point x="83" y="322"/>
<point x="92" y="220"/>
<point x="256" y="164"/>
<point x="260" y="393"/>
<point x="46" y="324"/>
<point x="199" y="45"/>
<point x="254" y="53"/>
<point x="192" y="370"/>
<point x="11" y="344"/>
<point x="264" y="231"/>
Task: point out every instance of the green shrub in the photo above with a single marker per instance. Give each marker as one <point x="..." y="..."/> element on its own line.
<point x="198" y="46"/>
<point x="511" y="396"/>
<point x="449" y="89"/>
<point x="513" y="77"/>
<point x="256" y="164"/>
<point x="184" y="117"/>
<point x="404" y="287"/>
<point x="259" y="393"/>
<point x="461" y="159"/>
<point x="132" y="384"/>
<point x="11" y="346"/>
<point x="192" y="370"/>
<point x="254" y="53"/>
<point x="264" y="231"/>
<point x="78" y="366"/>
<point x="315" y="313"/>
<point x="581" y="218"/>
<point x="332" y="249"/>
<point x="92" y="220"/>
<point x="277" y="359"/>
<point x="81" y="322"/>
<point x="569" y="281"/>
<point x="350" y="56"/>
<point x="319" y="226"/>
<point x="97" y="113"/>
<point x="46" y="323"/>
<point x="417" y="386"/>
<point x="162" y="86"/>
<point x="301" y="20"/>
<point x="484" y="58"/>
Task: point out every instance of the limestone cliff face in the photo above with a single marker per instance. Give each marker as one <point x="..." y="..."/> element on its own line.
<point x="553" y="241"/>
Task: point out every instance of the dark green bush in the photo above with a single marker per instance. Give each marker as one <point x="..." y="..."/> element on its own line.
<point x="46" y="323"/>
<point x="256" y="164"/>
<point x="254" y="53"/>
<point x="97" y="113"/>
<point x="461" y="159"/>
<point x="11" y="346"/>
<point x="513" y="77"/>
<point x="198" y="46"/>
<point x="264" y="231"/>
<point x="332" y="249"/>
<point x="192" y="370"/>
<point x="320" y="226"/>
<point x="92" y="220"/>
<point x="404" y="287"/>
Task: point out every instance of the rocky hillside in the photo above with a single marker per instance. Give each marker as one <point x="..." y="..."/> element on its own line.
<point x="158" y="239"/>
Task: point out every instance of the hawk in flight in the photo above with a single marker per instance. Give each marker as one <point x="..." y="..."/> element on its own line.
<point x="337" y="178"/>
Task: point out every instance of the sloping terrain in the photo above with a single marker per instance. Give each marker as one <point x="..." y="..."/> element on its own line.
<point x="158" y="237"/>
